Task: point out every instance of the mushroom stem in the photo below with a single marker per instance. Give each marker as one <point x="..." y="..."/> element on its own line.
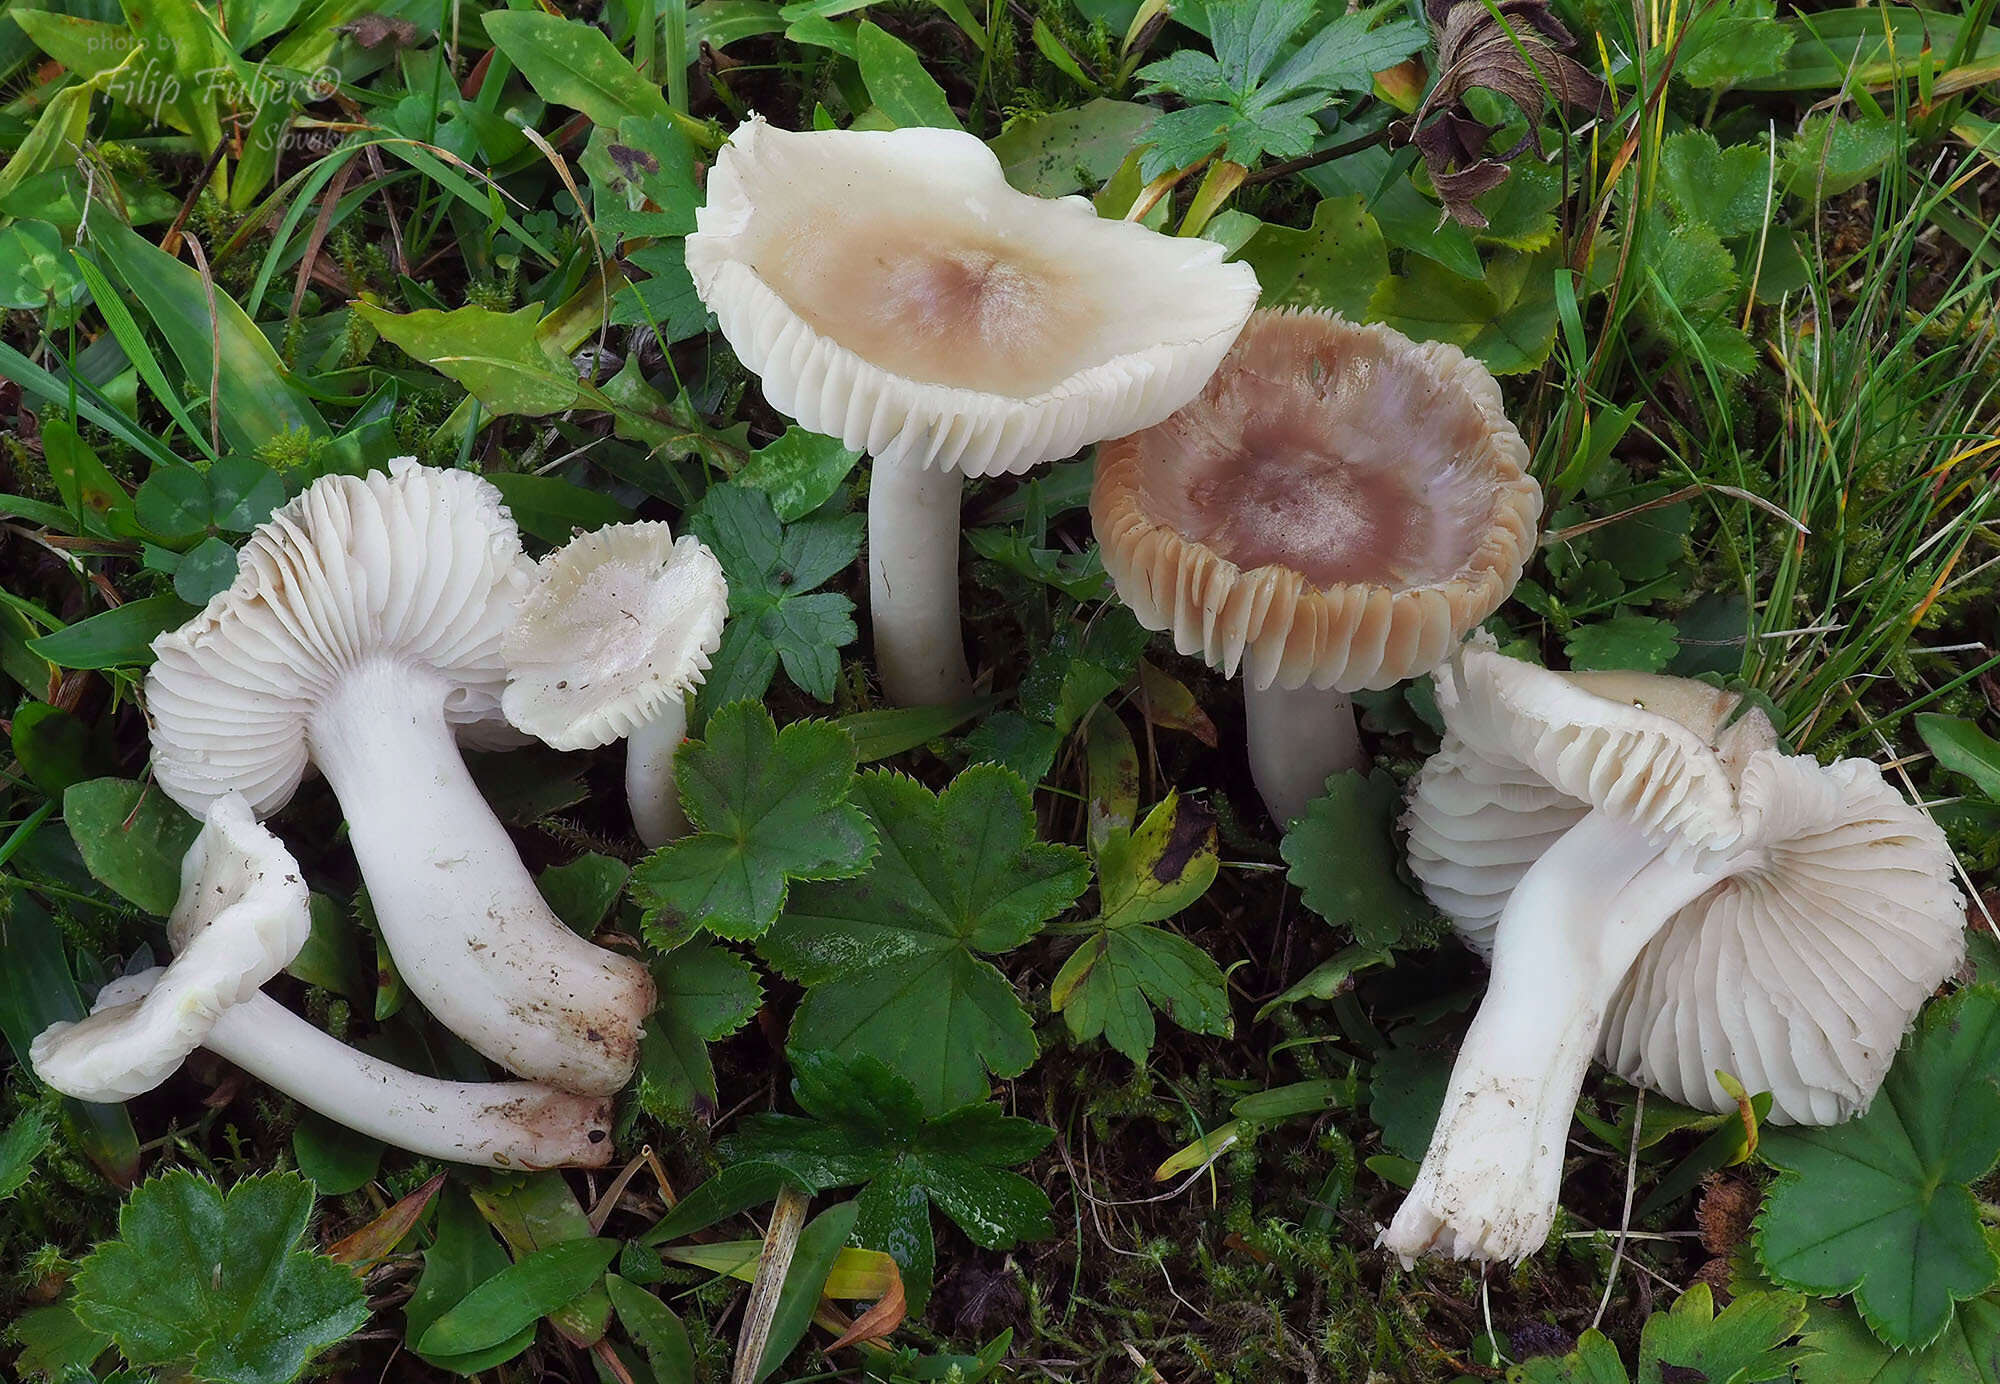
<point x="913" y="582"/>
<point x="1569" y="933"/>
<point x="649" y="776"/>
<point x="1298" y="736"/>
<point x="470" y="933"/>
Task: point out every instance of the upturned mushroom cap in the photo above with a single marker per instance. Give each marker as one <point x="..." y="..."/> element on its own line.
<point x="892" y="290"/>
<point x="1336" y="508"/>
<point x="242" y="915"/>
<point x="619" y="623"/>
<point x="420" y="566"/>
<point x="1798" y="974"/>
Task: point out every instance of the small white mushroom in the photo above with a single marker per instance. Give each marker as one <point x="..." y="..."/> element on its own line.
<point x="242" y="915"/>
<point x="1332" y="513"/>
<point x="1656" y="883"/>
<point x="893" y="291"/>
<point x="363" y="628"/>
<point x="614" y="637"/>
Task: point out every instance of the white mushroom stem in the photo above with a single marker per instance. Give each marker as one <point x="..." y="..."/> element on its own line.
<point x="913" y="582"/>
<point x="1570" y="931"/>
<point x="650" y="787"/>
<point x="496" y="1124"/>
<point x="1298" y="736"/>
<point x="470" y="933"/>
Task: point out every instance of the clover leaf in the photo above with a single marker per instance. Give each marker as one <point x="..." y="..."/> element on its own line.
<point x="1742" y="1344"/>
<point x="1882" y="1207"/>
<point x="769" y="807"/>
<point x="893" y="959"/>
<point x="1343" y="859"/>
<point x="866" y="1125"/>
<point x="1259" y="93"/>
<point x="1126" y="969"/>
<point x="216" y="1283"/>
<point x="775" y="616"/>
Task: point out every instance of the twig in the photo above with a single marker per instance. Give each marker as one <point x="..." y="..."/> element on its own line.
<point x="788" y="1218"/>
<point x="1625" y="1217"/>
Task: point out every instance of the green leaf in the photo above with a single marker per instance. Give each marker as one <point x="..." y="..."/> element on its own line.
<point x="54" y="747"/>
<point x="1342" y="855"/>
<point x="1406" y="1086"/>
<point x="20" y="1146"/>
<point x="864" y="1125"/>
<point x="1732" y="42"/>
<point x="498" y="356"/>
<point x="1690" y="295"/>
<point x="1967" y="1353"/>
<point x="722" y="22"/>
<point x="893" y="960"/>
<point x="897" y="82"/>
<point x="653" y="1325"/>
<point x="1962" y="748"/>
<point x="666" y="298"/>
<point x="1689" y="1342"/>
<point x="205" y="569"/>
<point x="89" y="491"/>
<point x="337" y="1159"/>
<point x="1637" y="642"/>
<point x="132" y="837"/>
<point x="768" y="807"/>
<point x="121" y="637"/>
<point x="800" y="471"/>
<point x="1074" y="150"/>
<point x="1881" y="1206"/>
<point x="553" y="509"/>
<point x="583" y="891"/>
<point x="891" y="730"/>
<point x="775" y="615"/>
<point x="1336" y="263"/>
<point x="1111" y="984"/>
<point x="642" y="178"/>
<point x="519" y="1296"/>
<point x="218" y="1283"/>
<point x="1829" y="155"/>
<point x="462" y="1255"/>
<point x="1507" y="319"/>
<point x="571" y="63"/>
<point x="1722" y="188"/>
<point x="705" y="994"/>
<point x="818" y="1247"/>
<point x="256" y="398"/>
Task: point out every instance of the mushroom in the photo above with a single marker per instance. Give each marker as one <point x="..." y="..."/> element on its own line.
<point x="615" y="634"/>
<point x="364" y="626"/>
<point x="892" y="290"/>
<point x="1332" y="513"/>
<point x="242" y="915"/>
<point x="1656" y="882"/>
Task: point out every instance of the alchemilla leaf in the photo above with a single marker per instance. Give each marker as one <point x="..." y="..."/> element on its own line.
<point x="1343" y="859"/>
<point x="768" y="807"/>
<point x="1882" y="1206"/>
<point x="894" y="959"/>
<point x="1742" y="1344"/>
<point x="867" y="1126"/>
<point x="217" y="1283"/>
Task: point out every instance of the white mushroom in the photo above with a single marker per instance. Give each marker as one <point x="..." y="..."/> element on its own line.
<point x="1658" y="883"/>
<point x="892" y="290"/>
<point x="363" y="627"/>
<point x="1333" y="512"/>
<point x="242" y="915"/>
<point x="615" y="635"/>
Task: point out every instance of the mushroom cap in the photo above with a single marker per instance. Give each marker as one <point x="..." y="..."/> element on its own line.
<point x="420" y="565"/>
<point x="620" y="623"/>
<point x="1798" y="974"/>
<point x="1336" y="508"/>
<point x="243" y="914"/>
<point x="892" y="290"/>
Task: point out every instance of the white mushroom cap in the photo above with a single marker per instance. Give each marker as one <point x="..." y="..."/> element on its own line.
<point x="242" y="915"/>
<point x="892" y="290"/>
<point x="1336" y="509"/>
<point x="1798" y="973"/>
<point x="421" y="566"/>
<point x="619" y="624"/>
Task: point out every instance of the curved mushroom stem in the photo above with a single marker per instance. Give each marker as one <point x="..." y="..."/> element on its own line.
<point x="1298" y="736"/>
<point x="913" y="582"/>
<point x="1570" y="931"/>
<point x="649" y="776"/>
<point x="497" y="1124"/>
<point x="470" y="933"/>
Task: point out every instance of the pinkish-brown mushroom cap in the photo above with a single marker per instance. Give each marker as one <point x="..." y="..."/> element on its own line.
<point x="1337" y="507"/>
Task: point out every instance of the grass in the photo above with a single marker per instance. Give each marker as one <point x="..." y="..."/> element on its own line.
<point x="1768" y="445"/>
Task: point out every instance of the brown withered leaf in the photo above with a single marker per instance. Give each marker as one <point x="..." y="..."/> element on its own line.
<point x="374" y="30"/>
<point x="1517" y="49"/>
